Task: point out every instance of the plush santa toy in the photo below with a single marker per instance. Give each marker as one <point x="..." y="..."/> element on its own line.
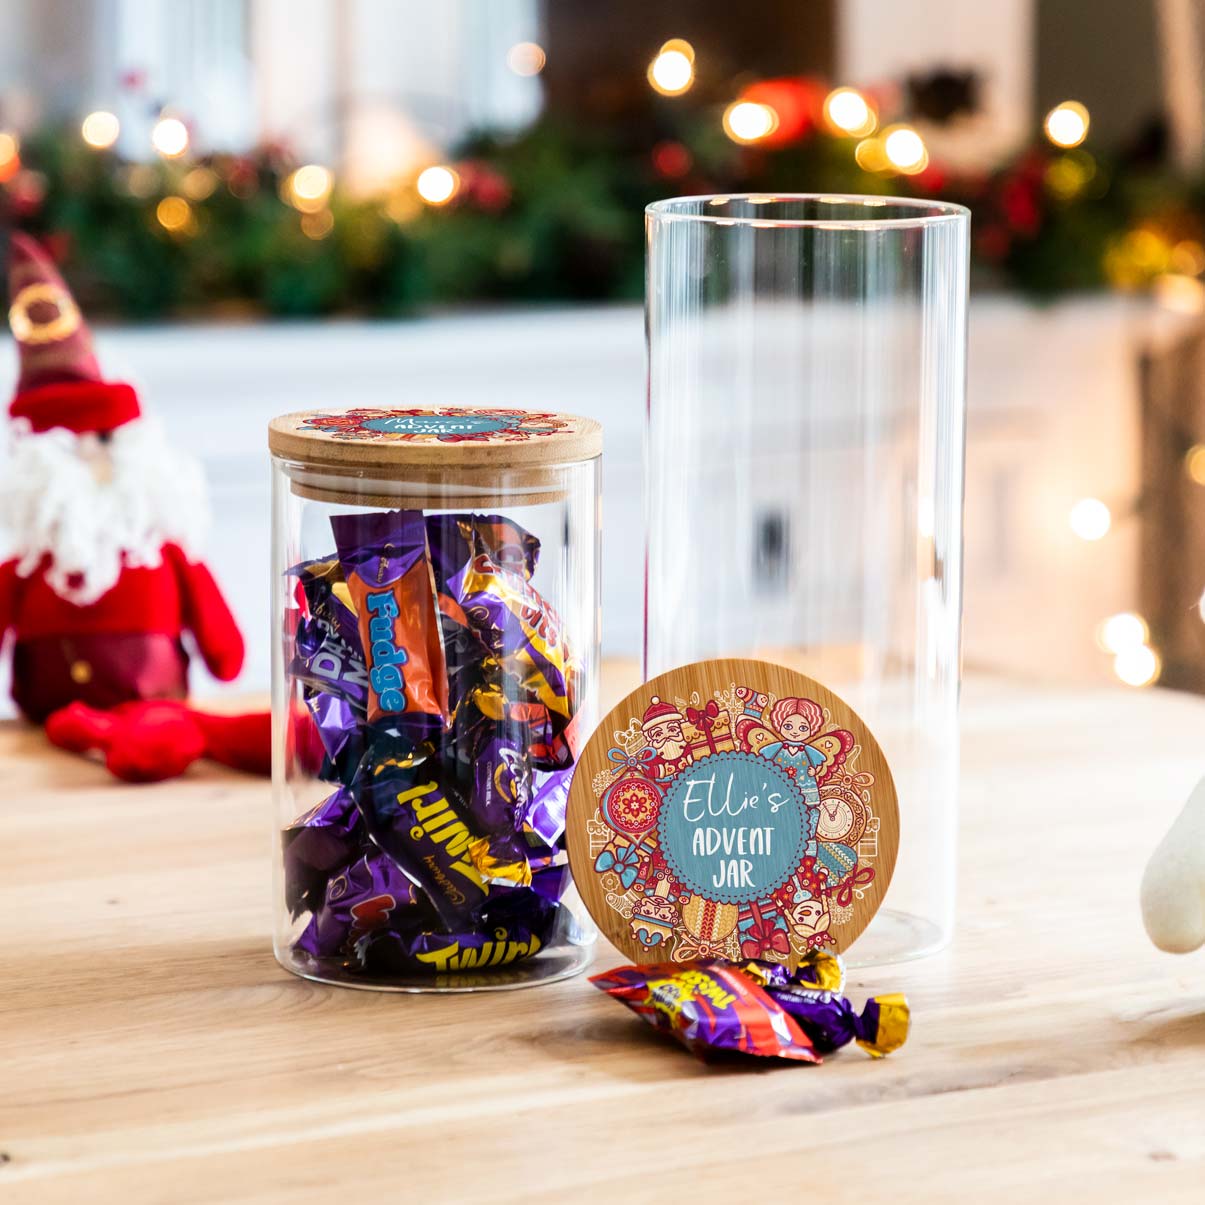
<point x="104" y="518"/>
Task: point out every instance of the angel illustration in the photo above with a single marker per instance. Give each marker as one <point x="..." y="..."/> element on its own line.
<point x="792" y="737"/>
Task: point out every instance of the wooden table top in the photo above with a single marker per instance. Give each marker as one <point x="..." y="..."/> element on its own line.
<point x="152" y="1050"/>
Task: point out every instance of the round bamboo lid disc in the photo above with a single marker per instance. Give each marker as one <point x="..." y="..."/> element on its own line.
<point x="732" y="809"/>
<point x="431" y="456"/>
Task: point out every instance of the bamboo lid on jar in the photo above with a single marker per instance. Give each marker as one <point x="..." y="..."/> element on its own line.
<point x="441" y="456"/>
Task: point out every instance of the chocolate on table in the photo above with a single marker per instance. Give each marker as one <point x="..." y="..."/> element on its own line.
<point x="713" y="1006"/>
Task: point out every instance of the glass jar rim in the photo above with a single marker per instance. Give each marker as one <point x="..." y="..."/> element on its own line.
<point x="690" y="209"/>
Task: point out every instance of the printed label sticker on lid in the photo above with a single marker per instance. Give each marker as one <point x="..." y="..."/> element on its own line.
<point x="732" y="809"/>
<point x="449" y="424"/>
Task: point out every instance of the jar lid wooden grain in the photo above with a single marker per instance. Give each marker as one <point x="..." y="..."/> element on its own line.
<point x="421" y="456"/>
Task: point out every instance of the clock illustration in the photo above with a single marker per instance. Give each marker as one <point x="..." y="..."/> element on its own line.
<point x="842" y="815"/>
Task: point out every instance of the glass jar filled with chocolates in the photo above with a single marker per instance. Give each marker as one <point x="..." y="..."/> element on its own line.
<point x="435" y="577"/>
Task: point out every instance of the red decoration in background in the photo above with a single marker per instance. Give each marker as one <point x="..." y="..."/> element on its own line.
<point x="798" y="103"/>
<point x="484" y="186"/>
<point x="671" y="160"/>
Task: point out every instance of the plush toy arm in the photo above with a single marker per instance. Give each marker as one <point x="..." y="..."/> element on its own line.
<point x="8" y="597"/>
<point x="1173" y="887"/>
<point x="208" y="617"/>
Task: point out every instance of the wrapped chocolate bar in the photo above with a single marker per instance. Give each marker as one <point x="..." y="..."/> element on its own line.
<point x="454" y="538"/>
<point x="422" y="823"/>
<point x="324" y="661"/>
<point x="711" y="1007"/>
<point x="340" y="728"/>
<point x="511" y="929"/>
<point x="368" y="896"/>
<point x="812" y="995"/>
<point x="316" y="845"/>
<point x="714" y="1006"/>
<point x="518" y="625"/>
<point x="326" y="597"/>
<point x="427" y="658"/>
<point x="389" y="580"/>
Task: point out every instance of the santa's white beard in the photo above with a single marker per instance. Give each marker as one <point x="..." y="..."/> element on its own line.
<point x="90" y="507"/>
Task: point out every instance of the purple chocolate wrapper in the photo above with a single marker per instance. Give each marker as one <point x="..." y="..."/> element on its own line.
<point x="390" y="583"/>
<point x="545" y="814"/>
<point x="518" y="626"/>
<point x="317" y="844"/>
<point x="517" y="926"/>
<point x="322" y="583"/>
<point x="711" y="1006"/>
<point x="452" y="539"/>
<point x="424" y="825"/>
<point x="369" y="895"/>
<point x="342" y="734"/>
<point x="324" y="661"/>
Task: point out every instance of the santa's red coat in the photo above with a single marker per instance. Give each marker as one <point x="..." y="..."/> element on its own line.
<point x="125" y="646"/>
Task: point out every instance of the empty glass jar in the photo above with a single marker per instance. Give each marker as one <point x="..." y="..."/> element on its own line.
<point x="804" y="480"/>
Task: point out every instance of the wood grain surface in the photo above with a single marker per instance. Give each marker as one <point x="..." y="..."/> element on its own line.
<point x="697" y="685"/>
<point x="152" y="1051"/>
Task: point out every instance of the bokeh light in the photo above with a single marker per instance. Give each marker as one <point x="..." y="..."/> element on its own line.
<point x="175" y="215"/>
<point x="1194" y="463"/>
<point x="1178" y="293"/>
<point x="1068" y="175"/>
<point x="317" y="225"/>
<point x="1125" y="630"/>
<point x="1138" y="665"/>
<point x="1067" y="123"/>
<point x="170" y="137"/>
<point x="672" y="72"/>
<point x="848" y="111"/>
<point x="308" y="188"/>
<point x="437" y="185"/>
<point x="526" y="58"/>
<point x="199" y="183"/>
<point x="1188" y="257"/>
<point x="10" y="156"/>
<point x="749" y="121"/>
<point x="870" y="156"/>
<point x="1090" y="519"/>
<point x="905" y="150"/>
<point x="100" y="130"/>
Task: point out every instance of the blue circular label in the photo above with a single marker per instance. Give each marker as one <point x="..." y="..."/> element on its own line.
<point x="439" y="424"/>
<point x="733" y="827"/>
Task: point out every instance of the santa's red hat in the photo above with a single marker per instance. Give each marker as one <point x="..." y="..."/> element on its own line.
<point x="60" y="384"/>
<point x="657" y="711"/>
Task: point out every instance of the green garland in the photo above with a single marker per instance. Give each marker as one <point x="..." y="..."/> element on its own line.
<point x="553" y="214"/>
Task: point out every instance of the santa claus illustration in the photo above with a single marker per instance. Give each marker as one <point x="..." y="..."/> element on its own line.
<point x="103" y="518"/>
<point x="662" y="728"/>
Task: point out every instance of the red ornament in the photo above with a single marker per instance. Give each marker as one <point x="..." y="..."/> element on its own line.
<point x="671" y="160"/>
<point x="797" y="102"/>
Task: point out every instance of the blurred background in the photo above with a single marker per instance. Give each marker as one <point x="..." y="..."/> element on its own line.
<point x="264" y="205"/>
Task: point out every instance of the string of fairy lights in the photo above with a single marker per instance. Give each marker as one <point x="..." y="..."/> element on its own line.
<point x="750" y="118"/>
